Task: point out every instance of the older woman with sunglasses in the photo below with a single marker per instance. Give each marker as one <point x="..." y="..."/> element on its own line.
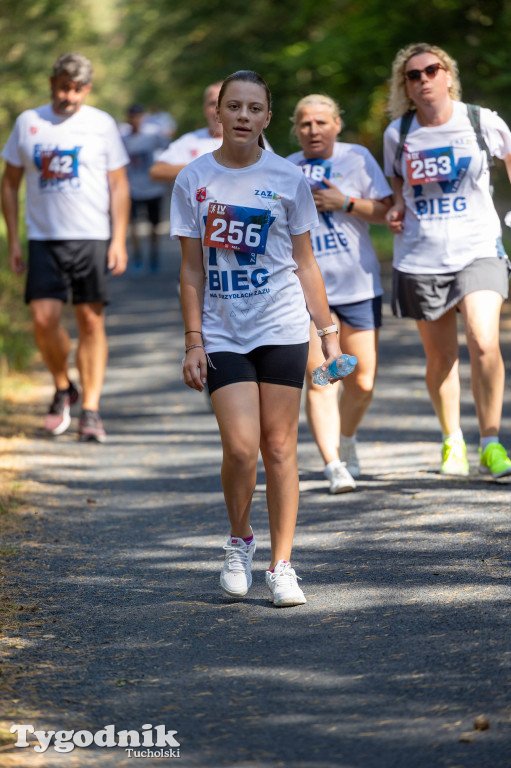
<point x="448" y="252"/>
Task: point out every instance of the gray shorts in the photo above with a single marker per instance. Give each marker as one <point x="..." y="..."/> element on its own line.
<point x="429" y="297"/>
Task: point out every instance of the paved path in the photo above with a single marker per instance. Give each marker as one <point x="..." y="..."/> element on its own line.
<point x="403" y="641"/>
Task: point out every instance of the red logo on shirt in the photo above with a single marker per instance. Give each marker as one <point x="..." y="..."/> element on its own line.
<point x="33" y="129"/>
<point x="194" y="153"/>
<point x="201" y="195"/>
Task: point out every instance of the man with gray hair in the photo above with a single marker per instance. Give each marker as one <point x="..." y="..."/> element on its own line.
<point x="75" y="66"/>
<point x="77" y="209"/>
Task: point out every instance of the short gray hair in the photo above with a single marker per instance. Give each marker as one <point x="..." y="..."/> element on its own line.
<point x="77" y="67"/>
<point x="312" y="100"/>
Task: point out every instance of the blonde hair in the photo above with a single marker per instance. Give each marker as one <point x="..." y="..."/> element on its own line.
<point x="311" y="100"/>
<point x="399" y="101"/>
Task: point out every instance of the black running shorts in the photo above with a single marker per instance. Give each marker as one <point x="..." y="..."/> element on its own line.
<point x="273" y="364"/>
<point x="57" y="266"/>
<point x="153" y="208"/>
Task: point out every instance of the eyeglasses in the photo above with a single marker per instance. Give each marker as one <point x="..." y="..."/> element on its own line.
<point x="430" y="71"/>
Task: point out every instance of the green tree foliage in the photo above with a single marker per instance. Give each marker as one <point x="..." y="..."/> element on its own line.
<point x="164" y="52"/>
<point x="33" y="33"/>
<point x="341" y="47"/>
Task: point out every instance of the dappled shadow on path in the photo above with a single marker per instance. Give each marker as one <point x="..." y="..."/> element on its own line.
<point x="403" y="640"/>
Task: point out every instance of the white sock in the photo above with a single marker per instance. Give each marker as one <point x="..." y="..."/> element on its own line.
<point x="457" y="436"/>
<point x="484" y="441"/>
<point x="348" y="440"/>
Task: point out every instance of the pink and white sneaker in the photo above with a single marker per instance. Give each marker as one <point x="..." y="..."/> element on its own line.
<point x="58" y="418"/>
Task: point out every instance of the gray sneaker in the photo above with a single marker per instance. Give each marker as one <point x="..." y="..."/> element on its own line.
<point x="236" y="574"/>
<point x="90" y="427"/>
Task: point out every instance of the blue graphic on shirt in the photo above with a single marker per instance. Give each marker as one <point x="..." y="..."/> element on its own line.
<point x="245" y="286"/>
<point x="58" y="167"/>
<point x="316" y="170"/>
<point x="237" y="228"/>
<point x="448" y="205"/>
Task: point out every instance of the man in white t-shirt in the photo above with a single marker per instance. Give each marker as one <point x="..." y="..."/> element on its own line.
<point x="77" y="209"/>
<point x="191" y="145"/>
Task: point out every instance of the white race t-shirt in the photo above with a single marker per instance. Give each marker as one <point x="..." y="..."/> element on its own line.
<point x="252" y="295"/>
<point x="450" y="220"/>
<point x="192" y="145"/>
<point x="189" y="147"/>
<point x="341" y="243"/>
<point x="66" y="160"/>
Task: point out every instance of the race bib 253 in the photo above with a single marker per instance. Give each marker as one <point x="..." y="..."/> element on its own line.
<point x="430" y="165"/>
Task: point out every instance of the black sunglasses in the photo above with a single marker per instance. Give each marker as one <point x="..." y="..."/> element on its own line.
<point x="430" y="71"/>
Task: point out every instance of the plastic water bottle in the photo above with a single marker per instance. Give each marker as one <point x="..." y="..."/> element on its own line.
<point x="338" y="369"/>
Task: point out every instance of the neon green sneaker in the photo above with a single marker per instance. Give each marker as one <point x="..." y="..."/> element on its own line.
<point x="494" y="461"/>
<point x="454" y="458"/>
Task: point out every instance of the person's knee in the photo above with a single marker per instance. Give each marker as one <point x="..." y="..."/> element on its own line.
<point x="90" y="320"/>
<point x="442" y="365"/>
<point x="277" y="447"/>
<point x="483" y="345"/>
<point x="360" y="386"/>
<point x="45" y="320"/>
<point x="240" y="455"/>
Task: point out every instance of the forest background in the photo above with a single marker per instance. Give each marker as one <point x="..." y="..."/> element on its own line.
<point x="163" y="53"/>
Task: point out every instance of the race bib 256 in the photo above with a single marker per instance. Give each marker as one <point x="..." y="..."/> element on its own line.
<point x="236" y="228"/>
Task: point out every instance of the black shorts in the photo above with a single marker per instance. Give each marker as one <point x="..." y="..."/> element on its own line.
<point x="274" y="364"/>
<point x="152" y="206"/>
<point x="56" y="266"/>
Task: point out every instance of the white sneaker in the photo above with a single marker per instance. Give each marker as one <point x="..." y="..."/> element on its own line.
<point x="340" y="479"/>
<point x="283" y="586"/>
<point x="349" y="457"/>
<point x="236" y="576"/>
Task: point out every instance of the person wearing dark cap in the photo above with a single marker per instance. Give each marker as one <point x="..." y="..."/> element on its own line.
<point x="145" y="194"/>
